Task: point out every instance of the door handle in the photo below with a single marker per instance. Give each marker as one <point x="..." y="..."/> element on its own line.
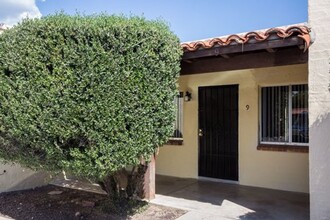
<point x="200" y="133"/>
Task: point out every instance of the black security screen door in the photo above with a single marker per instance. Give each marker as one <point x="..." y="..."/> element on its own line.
<point x="218" y="132"/>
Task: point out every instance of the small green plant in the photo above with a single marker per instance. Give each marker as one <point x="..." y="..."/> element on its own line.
<point x="87" y="94"/>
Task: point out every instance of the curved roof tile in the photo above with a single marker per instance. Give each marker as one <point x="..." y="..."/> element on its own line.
<point x="301" y="31"/>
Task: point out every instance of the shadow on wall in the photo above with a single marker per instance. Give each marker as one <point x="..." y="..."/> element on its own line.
<point x="320" y="141"/>
<point x="17" y="178"/>
<point x="321" y="123"/>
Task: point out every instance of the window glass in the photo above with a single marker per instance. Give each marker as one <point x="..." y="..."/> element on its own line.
<point x="284" y="114"/>
<point x="274" y="114"/>
<point x="299" y="114"/>
<point x="178" y="123"/>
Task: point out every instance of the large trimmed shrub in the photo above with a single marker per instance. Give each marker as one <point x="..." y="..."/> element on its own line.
<point x="88" y="94"/>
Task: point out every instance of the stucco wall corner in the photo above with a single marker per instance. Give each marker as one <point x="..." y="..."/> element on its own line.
<point x="319" y="105"/>
<point x="14" y="177"/>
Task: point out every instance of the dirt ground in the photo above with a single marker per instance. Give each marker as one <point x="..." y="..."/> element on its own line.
<point x="53" y="202"/>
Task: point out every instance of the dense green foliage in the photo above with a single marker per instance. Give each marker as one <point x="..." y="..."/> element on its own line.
<point x="89" y="94"/>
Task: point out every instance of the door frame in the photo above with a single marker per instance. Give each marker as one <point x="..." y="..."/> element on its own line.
<point x="238" y="136"/>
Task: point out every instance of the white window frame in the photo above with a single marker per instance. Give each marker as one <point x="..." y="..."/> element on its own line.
<point x="290" y="143"/>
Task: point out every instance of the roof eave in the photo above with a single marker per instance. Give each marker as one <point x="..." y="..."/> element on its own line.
<point x="269" y="40"/>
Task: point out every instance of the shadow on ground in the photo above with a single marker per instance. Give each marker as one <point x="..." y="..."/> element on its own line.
<point x="53" y="202"/>
<point x="214" y="199"/>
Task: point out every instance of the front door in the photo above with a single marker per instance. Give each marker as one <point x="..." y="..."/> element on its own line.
<point x="218" y="132"/>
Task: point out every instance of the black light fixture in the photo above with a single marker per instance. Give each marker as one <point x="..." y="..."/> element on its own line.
<point x="187" y="96"/>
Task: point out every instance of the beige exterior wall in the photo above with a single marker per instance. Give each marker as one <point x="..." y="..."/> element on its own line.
<point x="277" y="170"/>
<point x="319" y="102"/>
<point x="18" y="178"/>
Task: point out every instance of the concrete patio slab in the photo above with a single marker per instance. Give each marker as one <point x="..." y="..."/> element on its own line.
<point x="215" y="200"/>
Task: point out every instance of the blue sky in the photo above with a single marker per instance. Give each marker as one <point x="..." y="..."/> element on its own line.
<point x="190" y="20"/>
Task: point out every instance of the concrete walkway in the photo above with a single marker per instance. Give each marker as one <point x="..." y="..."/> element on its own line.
<point x="214" y="200"/>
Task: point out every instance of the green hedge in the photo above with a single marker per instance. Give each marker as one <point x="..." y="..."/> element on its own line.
<point x="89" y="94"/>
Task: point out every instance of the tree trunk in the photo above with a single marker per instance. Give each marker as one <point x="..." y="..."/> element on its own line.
<point x="122" y="185"/>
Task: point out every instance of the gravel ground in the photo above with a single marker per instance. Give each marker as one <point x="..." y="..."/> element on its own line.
<point x="53" y="202"/>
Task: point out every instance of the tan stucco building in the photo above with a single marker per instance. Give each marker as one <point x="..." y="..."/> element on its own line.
<point x="271" y="168"/>
<point x="302" y="167"/>
<point x="277" y="58"/>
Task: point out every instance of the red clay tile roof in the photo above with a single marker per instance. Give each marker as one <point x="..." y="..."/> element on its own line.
<point x="300" y="31"/>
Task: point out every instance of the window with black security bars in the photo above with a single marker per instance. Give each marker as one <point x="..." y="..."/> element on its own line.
<point x="178" y="123"/>
<point x="284" y="114"/>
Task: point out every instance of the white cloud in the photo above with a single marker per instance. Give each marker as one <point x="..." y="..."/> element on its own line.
<point x="13" y="11"/>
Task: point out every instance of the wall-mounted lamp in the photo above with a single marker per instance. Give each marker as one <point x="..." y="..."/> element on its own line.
<point x="187" y="96"/>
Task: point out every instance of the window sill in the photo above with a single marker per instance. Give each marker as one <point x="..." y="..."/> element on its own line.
<point x="283" y="148"/>
<point x="175" y="142"/>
